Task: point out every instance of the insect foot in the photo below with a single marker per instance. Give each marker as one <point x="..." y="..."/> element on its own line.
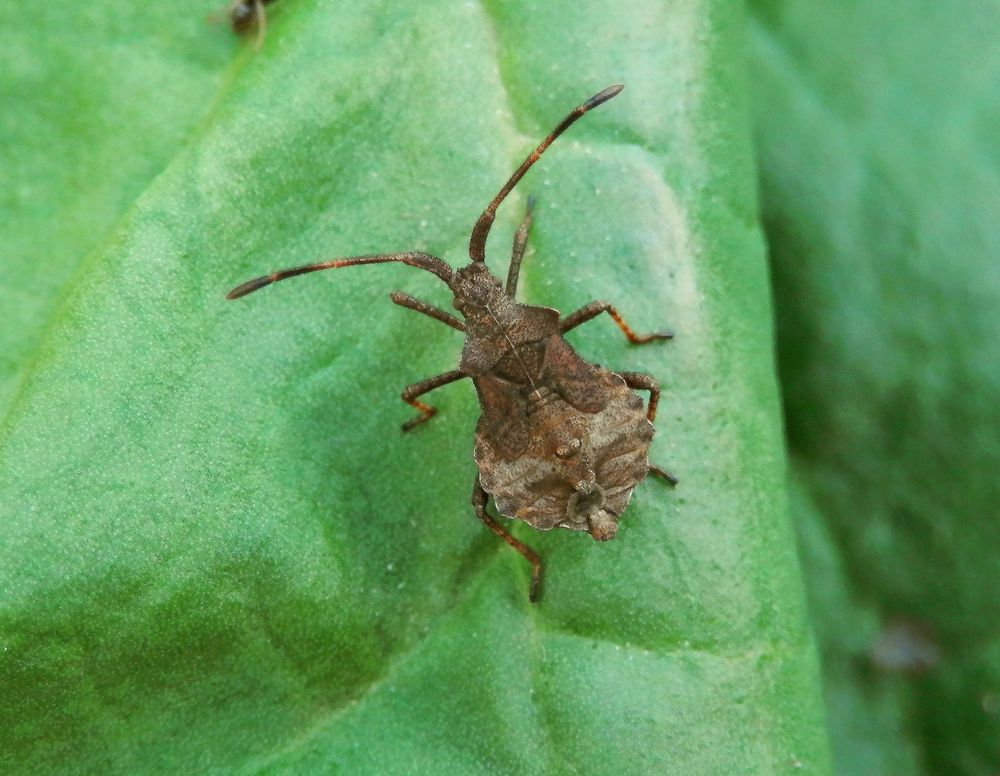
<point x="560" y="442"/>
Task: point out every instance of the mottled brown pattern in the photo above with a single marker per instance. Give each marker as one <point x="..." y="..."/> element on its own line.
<point x="567" y="453"/>
<point x="586" y="386"/>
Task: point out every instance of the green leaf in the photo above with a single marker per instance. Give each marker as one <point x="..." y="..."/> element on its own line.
<point x="99" y="99"/>
<point x="877" y="124"/>
<point x="220" y="553"/>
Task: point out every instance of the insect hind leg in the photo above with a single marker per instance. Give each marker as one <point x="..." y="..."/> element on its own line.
<point x="479" y="504"/>
<point x="663" y="474"/>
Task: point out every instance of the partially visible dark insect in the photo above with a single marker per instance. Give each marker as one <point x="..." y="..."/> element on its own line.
<point x="561" y="442"/>
<point x="246" y="16"/>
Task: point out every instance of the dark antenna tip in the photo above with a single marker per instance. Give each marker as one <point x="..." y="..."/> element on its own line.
<point x="477" y="241"/>
<point x="603" y="96"/>
<point x="250" y="286"/>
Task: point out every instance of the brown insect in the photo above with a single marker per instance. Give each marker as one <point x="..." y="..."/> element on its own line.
<point x="561" y="442"/>
<point x="245" y="16"/>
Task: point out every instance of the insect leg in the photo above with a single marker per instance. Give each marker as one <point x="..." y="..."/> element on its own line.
<point x="594" y="309"/>
<point x="641" y="382"/>
<point x="405" y="300"/>
<point x="411" y="392"/>
<point x="479" y="504"/>
<point x="663" y="474"/>
<point x="520" y="240"/>
<point x="260" y="18"/>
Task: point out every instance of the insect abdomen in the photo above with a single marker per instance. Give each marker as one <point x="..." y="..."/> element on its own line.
<point x="569" y="452"/>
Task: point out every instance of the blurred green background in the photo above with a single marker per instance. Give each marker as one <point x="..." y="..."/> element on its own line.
<point x="220" y="555"/>
<point x="878" y="140"/>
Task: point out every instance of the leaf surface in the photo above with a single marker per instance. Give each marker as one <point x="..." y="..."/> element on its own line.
<point x="99" y="98"/>
<point x="877" y="128"/>
<point x="219" y="551"/>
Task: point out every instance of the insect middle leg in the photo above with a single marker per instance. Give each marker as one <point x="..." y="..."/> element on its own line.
<point x="479" y="504"/>
<point x="594" y="309"/>
<point x="412" y="303"/>
<point x="411" y="392"/>
<point x="520" y="241"/>
<point x="643" y="382"/>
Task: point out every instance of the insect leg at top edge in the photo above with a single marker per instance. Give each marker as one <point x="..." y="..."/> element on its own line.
<point x="479" y="498"/>
<point x="411" y="392"/>
<point x="517" y="253"/>
<point x="592" y="310"/>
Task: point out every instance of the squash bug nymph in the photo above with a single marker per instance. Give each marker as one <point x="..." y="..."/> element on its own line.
<point x="560" y="442"/>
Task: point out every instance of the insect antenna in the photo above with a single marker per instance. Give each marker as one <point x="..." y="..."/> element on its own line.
<point x="413" y="259"/>
<point x="477" y="243"/>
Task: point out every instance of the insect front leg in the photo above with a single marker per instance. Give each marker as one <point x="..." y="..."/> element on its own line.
<point x="479" y="504"/>
<point x="412" y="303"/>
<point x="594" y="309"/>
<point x="411" y="392"/>
<point x="520" y="241"/>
